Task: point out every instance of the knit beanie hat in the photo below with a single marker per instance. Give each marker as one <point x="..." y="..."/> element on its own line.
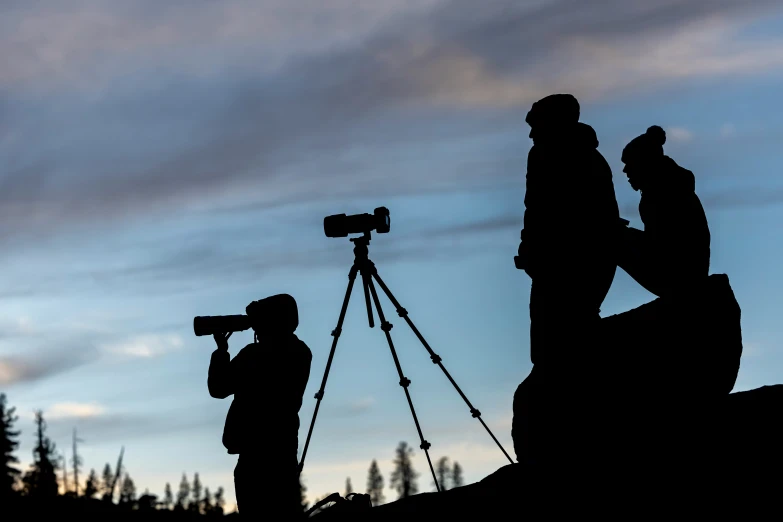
<point x="647" y="146"/>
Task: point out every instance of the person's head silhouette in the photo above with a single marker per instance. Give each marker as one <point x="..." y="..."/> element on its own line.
<point x="550" y="115"/>
<point x="274" y="315"/>
<point x="642" y="156"/>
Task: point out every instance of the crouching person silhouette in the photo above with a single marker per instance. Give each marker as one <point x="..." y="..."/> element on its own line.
<point x="677" y="356"/>
<point x="672" y="254"/>
<point x="267" y="379"/>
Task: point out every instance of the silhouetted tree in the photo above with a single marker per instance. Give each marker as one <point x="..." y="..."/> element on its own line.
<point x="403" y="478"/>
<point x="207" y="502"/>
<point x="195" y="504"/>
<point x="456" y="475"/>
<point x="184" y="493"/>
<point x="348" y="487"/>
<point x="92" y="485"/>
<point x="219" y="501"/>
<point x="147" y="502"/>
<point x="302" y="496"/>
<point x="443" y="472"/>
<point x="106" y="482"/>
<point x="76" y="461"/>
<point x="64" y="468"/>
<point x="375" y="484"/>
<point x="168" y="497"/>
<point x="127" y="491"/>
<point x="41" y="479"/>
<point x="8" y="444"/>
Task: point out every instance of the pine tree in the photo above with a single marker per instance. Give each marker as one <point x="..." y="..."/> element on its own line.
<point x="348" y="487"/>
<point x="195" y="504"/>
<point x="92" y="485"/>
<point x="456" y="475"/>
<point x="403" y="478"/>
<point x="168" y="499"/>
<point x="184" y="493"/>
<point x="41" y="479"/>
<point x="375" y="484"/>
<point x="442" y="471"/>
<point x="106" y="482"/>
<point x="64" y="469"/>
<point x="302" y="496"/>
<point x="207" y="502"/>
<point x="147" y="502"/>
<point x="76" y="461"/>
<point x="127" y="491"/>
<point x="8" y="444"/>
<point x="219" y="501"/>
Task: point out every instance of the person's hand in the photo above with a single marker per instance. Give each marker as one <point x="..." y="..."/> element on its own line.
<point x="221" y="339"/>
<point x="522" y="258"/>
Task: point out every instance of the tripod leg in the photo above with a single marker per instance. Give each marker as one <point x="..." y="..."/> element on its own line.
<point x="336" y="334"/>
<point x="402" y="312"/>
<point x="404" y="381"/>
<point x="366" y="280"/>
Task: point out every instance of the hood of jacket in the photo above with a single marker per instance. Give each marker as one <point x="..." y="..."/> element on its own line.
<point x="580" y="134"/>
<point x="673" y="179"/>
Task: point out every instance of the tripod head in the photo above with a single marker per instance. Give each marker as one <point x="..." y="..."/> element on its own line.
<point x="361" y="244"/>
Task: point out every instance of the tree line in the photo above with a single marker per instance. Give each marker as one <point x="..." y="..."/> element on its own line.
<point x="41" y="483"/>
<point x="404" y="478"/>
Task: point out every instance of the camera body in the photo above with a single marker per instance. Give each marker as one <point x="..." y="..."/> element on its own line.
<point x="340" y="225"/>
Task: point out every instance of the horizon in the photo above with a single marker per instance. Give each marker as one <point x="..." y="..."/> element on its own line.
<point x="159" y="163"/>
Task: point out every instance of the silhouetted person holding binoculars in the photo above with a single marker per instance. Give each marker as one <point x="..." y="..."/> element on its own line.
<point x="268" y="380"/>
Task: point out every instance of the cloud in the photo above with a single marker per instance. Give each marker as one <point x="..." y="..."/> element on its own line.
<point x="294" y="133"/>
<point x="728" y="130"/>
<point x="40" y="364"/>
<point x="85" y="38"/>
<point x="679" y="134"/>
<point x="743" y="197"/>
<point x="362" y="405"/>
<point x="17" y="327"/>
<point x="752" y="349"/>
<point x="354" y="408"/>
<point x="74" y="410"/>
<point x="144" y="346"/>
<point x="104" y="426"/>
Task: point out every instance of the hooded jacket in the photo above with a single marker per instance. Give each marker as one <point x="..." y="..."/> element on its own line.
<point x="268" y="380"/>
<point x="675" y="224"/>
<point x="571" y="213"/>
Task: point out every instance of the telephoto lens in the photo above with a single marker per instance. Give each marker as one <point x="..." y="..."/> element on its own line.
<point x="209" y="325"/>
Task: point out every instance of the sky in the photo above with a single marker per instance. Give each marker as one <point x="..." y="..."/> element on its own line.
<point x="159" y="162"/>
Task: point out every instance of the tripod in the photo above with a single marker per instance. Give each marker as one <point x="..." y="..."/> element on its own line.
<point x="362" y="265"/>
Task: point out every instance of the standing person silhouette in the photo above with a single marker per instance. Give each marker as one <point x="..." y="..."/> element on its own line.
<point x="268" y="380"/>
<point x="568" y="249"/>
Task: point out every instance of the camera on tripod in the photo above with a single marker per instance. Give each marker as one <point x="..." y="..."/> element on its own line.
<point x="340" y="225"/>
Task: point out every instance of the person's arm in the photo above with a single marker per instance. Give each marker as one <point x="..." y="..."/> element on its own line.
<point x="638" y="259"/>
<point x="219" y="379"/>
